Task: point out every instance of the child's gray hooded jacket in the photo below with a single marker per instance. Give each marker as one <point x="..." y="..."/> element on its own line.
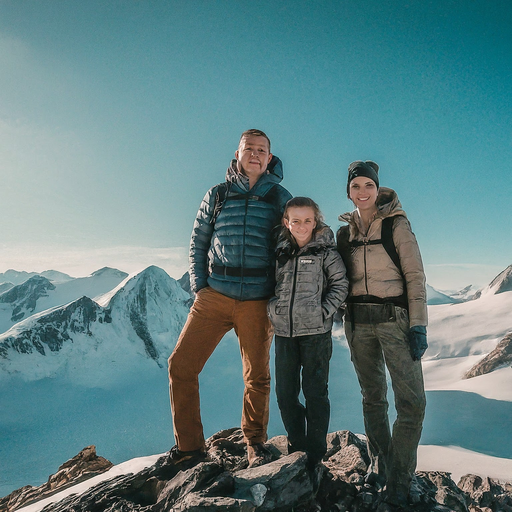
<point x="311" y="285"/>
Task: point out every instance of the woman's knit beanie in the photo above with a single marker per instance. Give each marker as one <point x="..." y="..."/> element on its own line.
<point x="367" y="169"/>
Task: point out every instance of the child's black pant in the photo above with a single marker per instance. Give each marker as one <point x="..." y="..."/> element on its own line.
<point x="306" y="425"/>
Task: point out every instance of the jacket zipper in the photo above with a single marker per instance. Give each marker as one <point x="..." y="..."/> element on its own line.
<point x="242" y="266"/>
<point x="365" y="241"/>
<point x="292" y="296"/>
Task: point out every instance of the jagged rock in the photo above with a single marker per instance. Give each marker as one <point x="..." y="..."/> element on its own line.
<point x="487" y="493"/>
<point x="347" y="456"/>
<point x="224" y="483"/>
<point x="186" y="482"/>
<point x="227" y="448"/>
<point x="499" y="357"/>
<point x="436" y="487"/>
<point x="81" y="467"/>
<point x="184" y="282"/>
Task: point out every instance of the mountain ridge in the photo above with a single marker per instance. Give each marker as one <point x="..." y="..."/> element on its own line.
<point x="148" y="308"/>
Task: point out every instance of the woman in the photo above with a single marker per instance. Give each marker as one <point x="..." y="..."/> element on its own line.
<point x="385" y="325"/>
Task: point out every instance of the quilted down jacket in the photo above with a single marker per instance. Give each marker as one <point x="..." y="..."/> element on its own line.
<point x="311" y="285"/>
<point x="235" y="253"/>
<point x="372" y="272"/>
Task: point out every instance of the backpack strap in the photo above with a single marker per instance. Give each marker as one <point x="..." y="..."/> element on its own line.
<point x="388" y="243"/>
<point x="220" y="198"/>
<point x="342" y="243"/>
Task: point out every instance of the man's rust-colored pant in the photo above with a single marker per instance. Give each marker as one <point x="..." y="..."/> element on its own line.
<point x="212" y="315"/>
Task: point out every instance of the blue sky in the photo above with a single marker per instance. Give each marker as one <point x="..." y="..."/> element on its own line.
<point x="117" y="116"/>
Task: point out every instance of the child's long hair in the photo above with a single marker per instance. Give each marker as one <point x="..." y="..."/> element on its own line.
<point x="300" y="202"/>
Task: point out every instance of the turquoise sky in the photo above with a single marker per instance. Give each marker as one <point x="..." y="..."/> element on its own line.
<point x="117" y="116"/>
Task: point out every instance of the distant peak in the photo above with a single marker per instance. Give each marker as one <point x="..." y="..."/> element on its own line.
<point x="153" y="269"/>
<point x="108" y="271"/>
<point x="502" y="282"/>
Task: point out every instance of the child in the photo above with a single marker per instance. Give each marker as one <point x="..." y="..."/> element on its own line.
<point x="311" y="285"/>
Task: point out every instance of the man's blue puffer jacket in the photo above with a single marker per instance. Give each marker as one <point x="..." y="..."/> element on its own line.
<point x="235" y="254"/>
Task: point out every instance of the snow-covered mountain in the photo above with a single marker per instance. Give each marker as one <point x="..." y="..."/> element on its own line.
<point x="22" y="299"/>
<point x="139" y="319"/>
<point x="466" y="293"/>
<point x="436" y="297"/>
<point x="19" y="277"/>
<point x="5" y="286"/>
<point x="39" y="293"/>
<point x="500" y="284"/>
<point x="469" y="356"/>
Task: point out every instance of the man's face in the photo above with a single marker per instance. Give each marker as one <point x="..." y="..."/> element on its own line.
<point x="253" y="156"/>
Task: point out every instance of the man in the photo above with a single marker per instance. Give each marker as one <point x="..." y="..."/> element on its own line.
<point x="232" y="274"/>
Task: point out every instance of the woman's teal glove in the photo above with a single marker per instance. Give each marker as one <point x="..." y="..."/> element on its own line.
<point x="417" y="341"/>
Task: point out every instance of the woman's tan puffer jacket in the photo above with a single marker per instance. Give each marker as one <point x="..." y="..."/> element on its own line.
<point x="370" y="269"/>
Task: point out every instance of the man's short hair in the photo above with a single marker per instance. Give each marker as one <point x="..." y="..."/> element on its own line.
<point x="254" y="132"/>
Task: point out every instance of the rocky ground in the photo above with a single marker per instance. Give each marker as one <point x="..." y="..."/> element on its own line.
<point x="224" y="483"/>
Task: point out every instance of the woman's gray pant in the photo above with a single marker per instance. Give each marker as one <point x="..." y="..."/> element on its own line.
<point x="374" y="346"/>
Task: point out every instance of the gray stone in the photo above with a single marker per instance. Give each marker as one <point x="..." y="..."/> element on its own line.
<point x="186" y="482"/>
<point x="196" y="502"/>
<point x="287" y="481"/>
<point x="258" y="492"/>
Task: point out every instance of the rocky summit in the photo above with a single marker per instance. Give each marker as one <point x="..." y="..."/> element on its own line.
<point x="222" y="481"/>
<point x="500" y="357"/>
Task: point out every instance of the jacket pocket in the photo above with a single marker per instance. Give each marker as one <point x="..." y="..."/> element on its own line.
<point x="276" y="312"/>
<point x="311" y="316"/>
